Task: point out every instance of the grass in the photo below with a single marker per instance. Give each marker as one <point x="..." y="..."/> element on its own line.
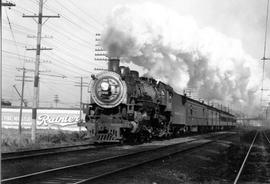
<point x="44" y="139"/>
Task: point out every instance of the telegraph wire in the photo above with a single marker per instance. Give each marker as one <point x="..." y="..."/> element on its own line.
<point x="75" y="24"/>
<point x="55" y="30"/>
<point x="24" y="9"/>
<point x="72" y="22"/>
<point x="63" y="65"/>
<point x="60" y="90"/>
<point x="74" y="5"/>
<point x="16" y="54"/>
<point x="13" y="36"/>
<point x="87" y="44"/>
<point x="16" y="30"/>
<point x="20" y="55"/>
<point x="70" y="36"/>
<point x="81" y="10"/>
<point x="53" y="88"/>
<point x="68" y="52"/>
<point x="55" y="11"/>
<point x="82" y="44"/>
<point x="19" y="27"/>
<point x="70" y="66"/>
<point x="8" y="41"/>
<point x="65" y="61"/>
<point x="26" y="33"/>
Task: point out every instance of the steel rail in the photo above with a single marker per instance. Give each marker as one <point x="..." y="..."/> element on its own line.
<point x="139" y="164"/>
<point x="87" y="180"/>
<point x="243" y="163"/>
<point x="80" y="164"/>
<point x="42" y="149"/>
<point x="47" y="151"/>
<point x="266" y="137"/>
<point x="50" y="151"/>
<point x="61" y="169"/>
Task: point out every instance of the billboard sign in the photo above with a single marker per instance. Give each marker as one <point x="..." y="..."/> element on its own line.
<point x="61" y="119"/>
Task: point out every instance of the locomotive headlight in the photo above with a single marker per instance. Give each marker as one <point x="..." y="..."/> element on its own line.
<point x="104" y="86"/>
<point x="108" y="90"/>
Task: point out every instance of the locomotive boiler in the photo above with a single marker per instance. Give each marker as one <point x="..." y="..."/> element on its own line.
<point x="126" y="107"/>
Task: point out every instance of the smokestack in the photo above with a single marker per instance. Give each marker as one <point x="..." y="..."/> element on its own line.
<point x="113" y="64"/>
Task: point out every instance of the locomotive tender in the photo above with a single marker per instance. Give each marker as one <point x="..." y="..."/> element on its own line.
<point x="126" y="107"/>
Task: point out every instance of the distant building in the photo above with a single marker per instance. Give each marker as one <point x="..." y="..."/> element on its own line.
<point x="6" y="102"/>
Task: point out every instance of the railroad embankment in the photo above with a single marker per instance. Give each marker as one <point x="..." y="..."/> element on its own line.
<point x="45" y="139"/>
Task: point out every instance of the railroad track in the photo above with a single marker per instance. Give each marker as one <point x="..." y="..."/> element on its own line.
<point x="92" y="170"/>
<point x="268" y="140"/>
<point x="255" y="166"/>
<point x="49" y="151"/>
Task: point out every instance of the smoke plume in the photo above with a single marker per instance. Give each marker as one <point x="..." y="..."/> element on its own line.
<point x="173" y="49"/>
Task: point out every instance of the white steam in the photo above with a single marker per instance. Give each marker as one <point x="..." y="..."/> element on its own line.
<point x="175" y="50"/>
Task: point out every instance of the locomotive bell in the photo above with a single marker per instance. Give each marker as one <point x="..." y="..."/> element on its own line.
<point x="113" y="64"/>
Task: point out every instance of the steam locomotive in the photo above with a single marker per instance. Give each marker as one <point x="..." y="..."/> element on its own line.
<point x="126" y="107"/>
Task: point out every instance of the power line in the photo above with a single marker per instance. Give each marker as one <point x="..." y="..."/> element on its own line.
<point x="81" y="10"/>
<point x="67" y="61"/>
<point x="70" y="20"/>
<point x="68" y="53"/>
<point x="12" y="42"/>
<point x="80" y="41"/>
<point x="71" y="37"/>
<point x="20" y="55"/>
<point x="13" y="36"/>
<point x="66" y="93"/>
<point x="66" y="67"/>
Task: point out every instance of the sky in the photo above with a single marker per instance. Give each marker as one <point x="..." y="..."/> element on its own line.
<point x="72" y="37"/>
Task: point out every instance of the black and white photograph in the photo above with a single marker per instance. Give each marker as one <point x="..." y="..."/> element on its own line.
<point x="135" y="92"/>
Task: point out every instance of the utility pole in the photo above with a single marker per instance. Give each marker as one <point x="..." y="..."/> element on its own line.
<point x="22" y="100"/>
<point x="56" y="100"/>
<point x="7" y="4"/>
<point x="263" y="68"/>
<point x="264" y="50"/>
<point x="81" y="84"/>
<point x="40" y="16"/>
<point x="20" y="118"/>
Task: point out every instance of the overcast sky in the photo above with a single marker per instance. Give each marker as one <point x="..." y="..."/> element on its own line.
<point x="73" y="39"/>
